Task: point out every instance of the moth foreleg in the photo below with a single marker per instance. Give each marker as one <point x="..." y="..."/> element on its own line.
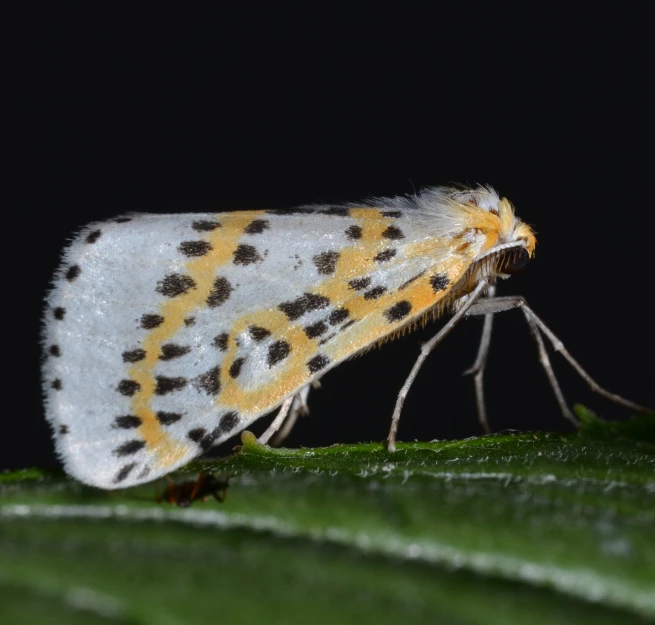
<point x="490" y="306"/>
<point x="425" y="352"/>
<point x="558" y="346"/>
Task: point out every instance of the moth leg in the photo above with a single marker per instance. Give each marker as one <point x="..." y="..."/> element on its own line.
<point x="558" y="346"/>
<point x="478" y="367"/>
<point x="299" y="407"/>
<point x="277" y="422"/>
<point x="537" y="327"/>
<point x="548" y="368"/>
<point x="489" y="307"/>
<point x="425" y="352"/>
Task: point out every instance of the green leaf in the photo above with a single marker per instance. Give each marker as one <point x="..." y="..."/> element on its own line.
<point x="521" y="528"/>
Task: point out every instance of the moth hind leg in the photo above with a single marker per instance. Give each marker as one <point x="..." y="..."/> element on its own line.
<point x="299" y="408"/>
<point x="291" y="409"/>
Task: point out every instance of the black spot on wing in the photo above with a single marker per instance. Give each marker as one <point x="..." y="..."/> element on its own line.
<point x="393" y="233"/>
<point x="196" y="434"/>
<point x="326" y="262"/>
<point x="277" y="352"/>
<point x="72" y="273"/>
<point x="124" y="471"/>
<point x="439" y="282"/>
<point x="258" y="333"/>
<point x="63" y="429"/>
<point x="246" y="255"/>
<point x="129" y="448"/>
<point x="398" y="311"/>
<point x="205" y="440"/>
<point x="315" y="302"/>
<point x="195" y="248"/>
<point x="209" y="382"/>
<point x="305" y="303"/>
<point x="220" y="341"/>
<point x="228" y="422"/>
<point x="385" y="256"/>
<point x="54" y="350"/>
<point x="128" y="387"/>
<point x="189" y="321"/>
<point x="338" y="316"/>
<point x="92" y="237"/>
<point x="354" y="233"/>
<point x="169" y="351"/>
<point x="59" y="313"/>
<point x="391" y="213"/>
<point x="165" y="385"/>
<point x="134" y="355"/>
<point x="127" y="422"/>
<point x="122" y="220"/>
<point x="327" y="339"/>
<point x="359" y="284"/>
<point x="220" y="292"/>
<point x="338" y="211"/>
<point x="235" y="367"/>
<point x="205" y="225"/>
<point x="175" y="284"/>
<point x="148" y="322"/>
<point x="315" y="330"/>
<point x="317" y="363"/>
<point x="168" y="418"/>
<point x="375" y="292"/>
<point x="56" y="384"/>
<point x="257" y="226"/>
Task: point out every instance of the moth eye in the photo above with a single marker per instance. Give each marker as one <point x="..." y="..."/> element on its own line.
<point x="516" y="261"/>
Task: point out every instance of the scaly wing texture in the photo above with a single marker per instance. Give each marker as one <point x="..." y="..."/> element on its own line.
<point x="167" y="334"/>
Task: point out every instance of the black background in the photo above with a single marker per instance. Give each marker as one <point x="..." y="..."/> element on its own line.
<point x="551" y="110"/>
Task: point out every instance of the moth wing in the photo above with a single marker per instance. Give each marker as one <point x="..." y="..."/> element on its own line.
<point x="167" y="334"/>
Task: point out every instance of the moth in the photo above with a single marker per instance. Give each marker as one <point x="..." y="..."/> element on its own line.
<point x="165" y="335"/>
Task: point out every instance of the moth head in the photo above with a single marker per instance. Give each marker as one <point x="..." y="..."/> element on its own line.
<point x="513" y="230"/>
<point x="503" y="244"/>
<point x="513" y="247"/>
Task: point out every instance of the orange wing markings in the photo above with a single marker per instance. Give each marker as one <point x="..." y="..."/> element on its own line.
<point x="202" y="270"/>
<point x="356" y="260"/>
<point x="373" y="325"/>
<point x="353" y="261"/>
<point x="289" y="376"/>
<point x="372" y="223"/>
